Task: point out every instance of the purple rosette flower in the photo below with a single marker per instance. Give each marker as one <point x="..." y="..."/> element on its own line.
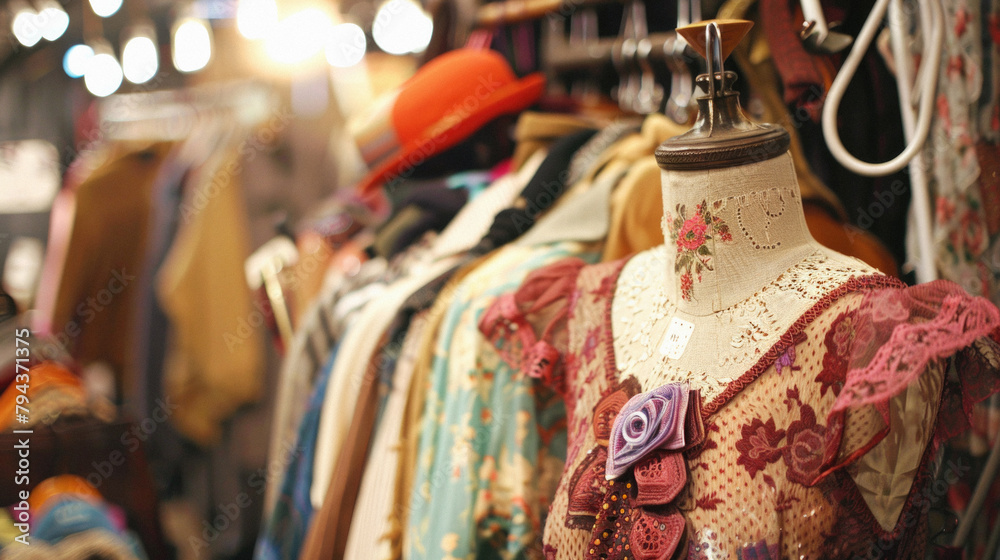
<point x="648" y="421"/>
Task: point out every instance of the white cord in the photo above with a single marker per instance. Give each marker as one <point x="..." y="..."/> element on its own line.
<point x="928" y="83"/>
<point x="925" y="264"/>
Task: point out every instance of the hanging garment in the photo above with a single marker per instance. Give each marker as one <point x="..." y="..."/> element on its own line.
<point x="543" y="188"/>
<point x="489" y="445"/>
<point x="535" y="131"/>
<point x="370" y="525"/>
<point x="285" y="528"/>
<point x="295" y="379"/>
<point x="805" y="77"/>
<point x="961" y="229"/>
<point x="371" y="528"/>
<point x="214" y="363"/>
<point x="766" y="474"/>
<point x="320" y="329"/>
<point x="89" y="283"/>
<point x="989" y="101"/>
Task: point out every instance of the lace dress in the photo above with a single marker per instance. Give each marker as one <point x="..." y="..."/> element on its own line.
<point x="766" y="467"/>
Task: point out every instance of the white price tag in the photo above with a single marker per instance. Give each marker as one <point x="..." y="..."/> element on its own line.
<point x="676" y="339"/>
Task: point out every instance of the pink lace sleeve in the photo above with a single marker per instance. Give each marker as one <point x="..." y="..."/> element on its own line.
<point x="876" y="351"/>
<point x="528" y="326"/>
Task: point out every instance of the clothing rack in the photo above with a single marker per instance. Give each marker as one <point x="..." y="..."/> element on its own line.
<point x="516" y="11"/>
<point x="173" y="114"/>
<point x="561" y="56"/>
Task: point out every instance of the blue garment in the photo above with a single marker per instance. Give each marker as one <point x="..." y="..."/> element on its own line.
<point x="285" y="530"/>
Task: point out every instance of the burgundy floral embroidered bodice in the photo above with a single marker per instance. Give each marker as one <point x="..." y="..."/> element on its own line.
<point x="762" y="472"/>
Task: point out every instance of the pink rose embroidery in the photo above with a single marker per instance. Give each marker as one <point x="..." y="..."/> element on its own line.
<point x="648" y="421"/>
<point x="804" y="446"/>
<point x="691" y="236"/>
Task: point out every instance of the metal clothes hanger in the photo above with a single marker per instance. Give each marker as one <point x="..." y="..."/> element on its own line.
<point x="816" y="33"/>
<point x="582" y="31"/>
<point x="930" y="10"/>
<point x="681" y="81"/>
<point x="916" y="131"/>
<point x="638" y="91"/>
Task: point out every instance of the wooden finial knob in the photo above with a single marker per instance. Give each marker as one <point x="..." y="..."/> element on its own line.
<point x="731" y="32"/>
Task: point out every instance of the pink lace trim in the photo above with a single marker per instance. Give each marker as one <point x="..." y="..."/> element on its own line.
<point x="928" y="322"/>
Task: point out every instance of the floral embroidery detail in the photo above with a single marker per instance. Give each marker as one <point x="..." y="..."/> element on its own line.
<point x="590" y="344"/>
<point x="708" y="502"/>
<point x="805" y="443"/>
<point x="792" y="397"/>
<point x="838" y="347"/>
<point x="784" y="502"/>
<point x="606" y="289"/>
<point x="759" y="445"/>
<point x="889" y="308"/>
<point x="962" y="19"/>
<point x="786" y="361"/>
<point x="691" y="236"/>
<point x="648" y="421"/>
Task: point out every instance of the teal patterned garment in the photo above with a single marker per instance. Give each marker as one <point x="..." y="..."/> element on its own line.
<point x="492" y="442"/>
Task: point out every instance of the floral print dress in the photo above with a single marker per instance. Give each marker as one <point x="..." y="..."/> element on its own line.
<point x="491" y="441"/>
<point x="761" y="469"/>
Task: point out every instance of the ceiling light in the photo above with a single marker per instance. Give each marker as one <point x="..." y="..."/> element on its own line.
<point x="255" y="19"/>
<point x="347" y="45"/>
<point x="52" y="20"/>
<point x="25" y="27"/>
<point x="401" y="27"/>
<point x="192" y="44"/>
<point x="75" y="60"/>
<point x="103" y="75"/>
<point x="140" y="57"/>
<point x="105" y="8"/>
<point x="300" y="36"/>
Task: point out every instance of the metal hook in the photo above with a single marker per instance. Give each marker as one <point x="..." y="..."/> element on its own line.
<point x="816" y="33"/>
<point x="582" y="30"/>
<point x="681" y="80"/>
<point x="713" y="48"/>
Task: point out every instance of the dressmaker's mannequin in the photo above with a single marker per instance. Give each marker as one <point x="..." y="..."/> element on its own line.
<point x="739" y="267"/>
<point x="760" y="270"/>
<point x="818" y="378"/>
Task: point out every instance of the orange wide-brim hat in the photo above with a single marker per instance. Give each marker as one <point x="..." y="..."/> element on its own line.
<point x="445" y="102"/>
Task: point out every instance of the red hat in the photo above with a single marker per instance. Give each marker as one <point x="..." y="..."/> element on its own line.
<point x="446" y="101"/>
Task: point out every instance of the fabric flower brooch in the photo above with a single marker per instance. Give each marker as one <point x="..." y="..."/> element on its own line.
<point x="645" y="472"/>
<point x="648" y="421"/>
